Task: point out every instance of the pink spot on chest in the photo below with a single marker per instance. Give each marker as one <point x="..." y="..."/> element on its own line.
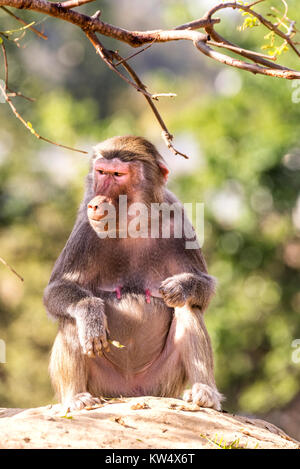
<point x="148" y="295"/>
<point x="119" y="292"/>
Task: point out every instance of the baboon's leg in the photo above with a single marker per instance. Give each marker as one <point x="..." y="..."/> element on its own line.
<point x="193" y="341"/>
<point x="68" y="370"/>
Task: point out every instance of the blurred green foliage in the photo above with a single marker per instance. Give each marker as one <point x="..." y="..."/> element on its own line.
<point x="242" y="132"/>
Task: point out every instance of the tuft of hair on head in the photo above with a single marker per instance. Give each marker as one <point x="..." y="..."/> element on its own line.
<point x="132" y="148"/>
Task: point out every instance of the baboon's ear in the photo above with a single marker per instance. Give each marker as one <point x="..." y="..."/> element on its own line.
<point x="164" y="170"/>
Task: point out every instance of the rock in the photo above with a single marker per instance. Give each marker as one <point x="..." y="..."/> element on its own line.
<point x="135" y="423"/>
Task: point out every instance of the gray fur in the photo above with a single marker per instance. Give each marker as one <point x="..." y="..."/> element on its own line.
<point x="166" y="342"/>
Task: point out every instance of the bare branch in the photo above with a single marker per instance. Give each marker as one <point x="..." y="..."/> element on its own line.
<point x="264" y="21"/>
<point x="182" y="32"/>
<point x="135" y="54"/>
<point x="5" y="64"/>
<point x="9" y="92"/>
<point x="93" y="25"/>
<point x="12" y="269"/>
<point x="244" y="53"/>
<point x="239" y="50"/>
<point x="17" y="94"/>
<point x="253" y="68"/>
<point x="108" y="57"/>
<point x="167" y="136"/>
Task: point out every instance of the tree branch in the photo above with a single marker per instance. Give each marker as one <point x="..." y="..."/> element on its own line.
<point x="253" y="68"/>
<point x="264" y="21"/>
<point x="167" y="136"/>
<point x="92" y="25"/>
<point x="108" y="57"/>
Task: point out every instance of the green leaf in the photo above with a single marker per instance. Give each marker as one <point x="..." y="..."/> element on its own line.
<point x="67" y="416"/>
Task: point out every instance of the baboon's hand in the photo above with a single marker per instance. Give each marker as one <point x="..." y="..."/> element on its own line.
<point x="92" y="326"/>
<point x="173" y="291"/>
<point x="188" y="288"/>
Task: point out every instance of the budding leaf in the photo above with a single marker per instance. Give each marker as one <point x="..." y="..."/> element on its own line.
<point x="29" y="124"/>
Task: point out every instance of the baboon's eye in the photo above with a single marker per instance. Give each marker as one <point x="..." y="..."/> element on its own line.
<point x="117" y="174"/>
<point x="100" y="171"/>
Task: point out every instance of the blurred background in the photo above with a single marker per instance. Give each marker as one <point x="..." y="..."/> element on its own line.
<point x="242" y="134"/>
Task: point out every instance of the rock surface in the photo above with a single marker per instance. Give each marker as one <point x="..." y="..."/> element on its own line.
<point x="134" y="423"/>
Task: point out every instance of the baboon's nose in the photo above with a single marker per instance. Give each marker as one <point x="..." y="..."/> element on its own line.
<point x="97" y="207"/>
<point x="93" y="207"/>
<point x="94" y="212"/>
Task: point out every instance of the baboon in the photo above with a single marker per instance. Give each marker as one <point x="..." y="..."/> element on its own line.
<point x="147" y="294"/>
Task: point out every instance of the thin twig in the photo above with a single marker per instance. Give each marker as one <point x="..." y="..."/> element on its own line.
<point x="29" y="127"/>
<point x="286" y="9"/>
<point x="291" y="30"/>
<point x="24" y="22"/>
<point x="16" y="113"/>
<point x="17" y="94"/>
<point x="12" y="269"/>
<point x="239" y="50"/>
<point x="243" y="52"/>
<point x="9" y="91"/>
<point x="264" y="21"/>
<point x="133" y="55"/>
<point x="108" y="57"/>
<point x="253" y="68"/>
<point x="167" y="136"/>
<point x="5" y="64"/>
<point x="255" y="3"/>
